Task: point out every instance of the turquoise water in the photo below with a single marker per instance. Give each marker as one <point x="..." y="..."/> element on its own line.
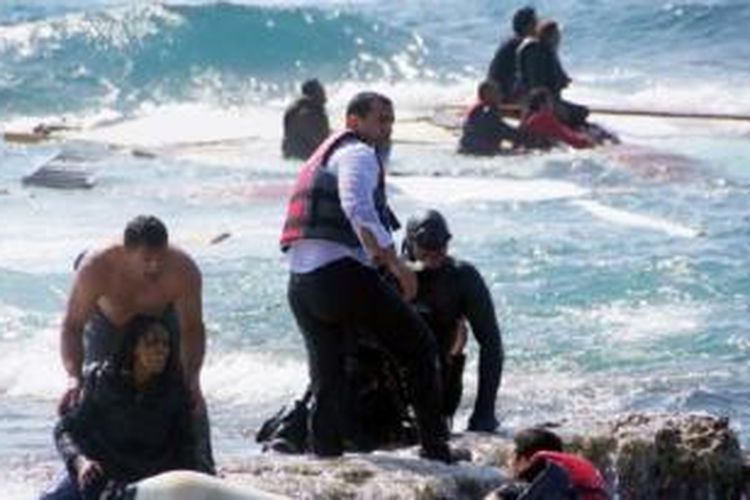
<point x="619" y="276"/>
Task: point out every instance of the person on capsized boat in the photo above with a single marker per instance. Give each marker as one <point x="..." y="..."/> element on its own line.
<point x="503" y="69"/>
<point x="539" y="66"/>
<point x="133" y="420"/>
<point x="305" y="122"/>
<point x="545" y="472"/>
<point x="450" y="294"/>
<point x="540" y="122"/>
<point x="484" y="132"/>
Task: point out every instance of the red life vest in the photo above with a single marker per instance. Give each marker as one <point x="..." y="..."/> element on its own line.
<point x="545" y="124"/>
<point x="314" y="210"/>
<point x="585" y="478"/>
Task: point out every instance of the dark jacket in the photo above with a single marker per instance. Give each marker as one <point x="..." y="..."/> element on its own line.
<point x="483" y="131"/>
<point x="544" y="481"/>
<point x="539" y="66"/>
<point x="503" y="69"/>
<point x="448" y="295"/>
<point x="305" y="128"/>
<point x="133" y="434"/>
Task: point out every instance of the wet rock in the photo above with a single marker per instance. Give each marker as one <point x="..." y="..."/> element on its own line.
<point x="642" y="456"/>
<point x="378" y="475"/>
<point x="677" y="457"/>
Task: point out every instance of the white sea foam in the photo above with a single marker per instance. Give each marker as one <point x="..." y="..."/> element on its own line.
<point x="120" y="27"/>
<point x="631" y="219"/>
<point x="446" y="190"/>
<point x="254" y="378"/>
<point x="31" y="367"/>
<point x="19" y="490"/>
<point x="644" y="322"/>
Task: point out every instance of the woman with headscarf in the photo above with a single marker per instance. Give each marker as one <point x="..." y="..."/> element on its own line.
<point x="132" y="422"/>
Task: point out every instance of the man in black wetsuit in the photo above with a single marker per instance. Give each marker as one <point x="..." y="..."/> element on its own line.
<point x="484" y="130"/>
<point x="503" y="70"/>
<point x="306" y="122"/>
<point x="450" y="293"/>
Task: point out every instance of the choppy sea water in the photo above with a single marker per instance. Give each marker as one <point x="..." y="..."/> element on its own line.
<point x="619" y="275"/>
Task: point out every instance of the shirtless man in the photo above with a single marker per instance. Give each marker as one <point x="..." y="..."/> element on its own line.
<point x="141" y="275"/>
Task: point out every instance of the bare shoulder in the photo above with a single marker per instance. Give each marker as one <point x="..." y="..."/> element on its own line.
<point x="187" y="271"/>
<point x="100" y="262"/>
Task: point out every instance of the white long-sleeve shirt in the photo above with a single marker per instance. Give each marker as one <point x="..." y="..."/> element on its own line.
<point x="356" y="168"/>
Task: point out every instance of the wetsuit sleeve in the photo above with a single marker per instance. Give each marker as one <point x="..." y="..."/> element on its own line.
<point x="480" y="312"/>
<point x="358" y="172"/>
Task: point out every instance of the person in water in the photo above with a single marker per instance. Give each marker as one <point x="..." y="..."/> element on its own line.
<point x="143" y="274"/>
<point x="545" y="472"/>
<point x="539" y="66"/>
<point x="450" y="293"/>
<point x="541" y="124"/>
<point x="132" y="422"/>
<point x="484" y="132"/>
<point x="337" y="232"/>
<point x="503" y="69"/>
<point x="306" y="122"/>
<point x="374" y="410"/>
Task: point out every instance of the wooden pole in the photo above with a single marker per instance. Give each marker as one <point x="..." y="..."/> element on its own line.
<point x="514" y="110"/>
<point x="670" y="114"/>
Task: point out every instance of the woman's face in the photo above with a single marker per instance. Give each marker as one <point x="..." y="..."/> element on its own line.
<point x="152" y="350"/>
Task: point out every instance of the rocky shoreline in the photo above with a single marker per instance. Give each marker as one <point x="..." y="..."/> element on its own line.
<point x="643" y="457"/>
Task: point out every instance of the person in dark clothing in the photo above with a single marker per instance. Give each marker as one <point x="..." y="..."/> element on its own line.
<point x="143" y="274"/>
<point x="503" y="68"/>
<point x="484" y="130"/>
<point x="133" y="420"/>
<point x="306" y="122"/>
<point x="450" y="293"/>
<point x="543" y="128"/>
<point x="546" y="472"/>
<point x="539" y="66"/>
<point x="374" y="407"/>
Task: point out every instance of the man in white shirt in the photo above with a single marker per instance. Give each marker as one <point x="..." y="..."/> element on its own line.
<point x="337" y="232"/>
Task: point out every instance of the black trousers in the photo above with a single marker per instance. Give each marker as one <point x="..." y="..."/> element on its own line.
<point x="343" y="298"/>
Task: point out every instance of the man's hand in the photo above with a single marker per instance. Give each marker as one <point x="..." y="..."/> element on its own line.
<point x="88" y="471"/>
<point x="387" y="257"/>
<point x="70" y="397"/>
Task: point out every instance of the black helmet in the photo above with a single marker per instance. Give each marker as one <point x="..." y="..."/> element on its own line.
<point x="427" y="230"/>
